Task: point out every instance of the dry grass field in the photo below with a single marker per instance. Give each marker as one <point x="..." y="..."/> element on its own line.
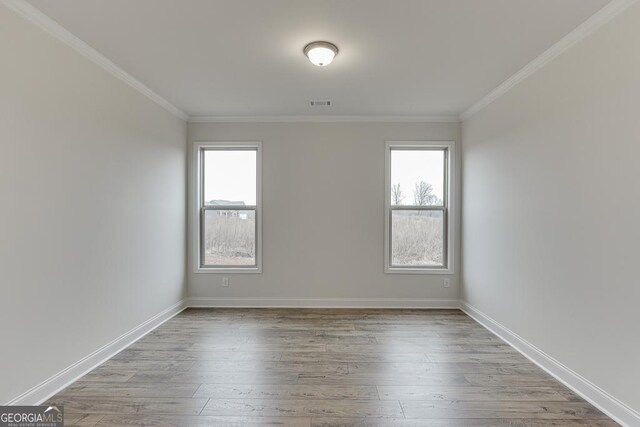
<point x="417" y="238"/>
<point x="230" y="240"/>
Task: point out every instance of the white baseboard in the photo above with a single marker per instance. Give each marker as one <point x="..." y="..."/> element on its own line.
<point x="62" y="379"/>
<point x="325" y="302"/>
<point x="599" y="398"/>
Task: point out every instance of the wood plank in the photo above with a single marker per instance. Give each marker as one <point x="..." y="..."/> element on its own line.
<point x="442" y="368"/>
<point x="418" y="348"/>
<point x="128" y="389"/>
<point x="354" y="357"/>
<point x="384" y="378"/>
<point x="200" y="421"/>
<point x="308" y="339"/>
<point x="499" y="409"/>
<point x="160" y="345"/>
<point x="216" y="377"/>
<point x="529" y="394"/>
<point x="196" y="355"/>
<point x="516" y="380"/>
<point x="257" y="346"/>
<point x="455" y="340"/>
<point x="152" y="405"/>
<point x="146" y="365"/>
<point x="101" y="374"/>
<point x="304" y="408"/>
<point x="288" y="392"/>
<point x="253" y="366"/>
<point x="468" y="422"/>
<point x="476" y="358"/>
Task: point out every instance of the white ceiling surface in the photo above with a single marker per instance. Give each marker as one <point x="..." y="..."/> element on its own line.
<point x="244" y="57"/>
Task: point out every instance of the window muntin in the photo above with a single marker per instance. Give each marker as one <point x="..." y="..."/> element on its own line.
<point x="417" y="207"/>
<point x="228" y="208"/>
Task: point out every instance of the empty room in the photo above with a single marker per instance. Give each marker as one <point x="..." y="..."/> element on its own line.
<point x="327" y="213"/>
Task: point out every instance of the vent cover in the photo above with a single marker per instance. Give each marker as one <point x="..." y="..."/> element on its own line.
<point x="320" y="103"/>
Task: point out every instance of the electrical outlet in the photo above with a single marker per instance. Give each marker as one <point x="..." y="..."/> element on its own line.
<point x="225" y="282"/>
<point x="447" y="283"/>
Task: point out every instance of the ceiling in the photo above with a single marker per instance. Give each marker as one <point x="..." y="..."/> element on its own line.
<point x="244" y="57"/>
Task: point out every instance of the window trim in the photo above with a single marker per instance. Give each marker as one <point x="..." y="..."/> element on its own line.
<point x="448" y="209"/>
<point x="196" y="206"/>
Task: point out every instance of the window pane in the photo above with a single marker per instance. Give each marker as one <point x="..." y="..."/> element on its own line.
<point x="417" y="238"/>
<point x="417" y="177"/>
<point x="229" y="177"/>
<point x="229" y="238"/>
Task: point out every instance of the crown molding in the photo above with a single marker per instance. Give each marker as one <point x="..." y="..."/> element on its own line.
<point x="324" y="119"/>
<point x="39" y="19"/>
<point x="604" y="15"/>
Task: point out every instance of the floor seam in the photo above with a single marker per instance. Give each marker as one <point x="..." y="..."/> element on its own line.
<point x="205" y="405"/>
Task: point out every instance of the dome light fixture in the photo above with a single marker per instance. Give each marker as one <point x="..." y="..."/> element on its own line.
<point x="321" y="53"/>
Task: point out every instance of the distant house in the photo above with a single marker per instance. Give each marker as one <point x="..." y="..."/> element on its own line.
<point x="228" y="213"/>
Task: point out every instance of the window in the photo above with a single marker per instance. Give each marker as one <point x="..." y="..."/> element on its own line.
<point x="418" y="226"/>
<point x="228" y="201"/>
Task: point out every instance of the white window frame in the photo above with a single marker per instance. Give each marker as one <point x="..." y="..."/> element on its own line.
<point x="449" y="210"/>
<point x="197" y="206"/>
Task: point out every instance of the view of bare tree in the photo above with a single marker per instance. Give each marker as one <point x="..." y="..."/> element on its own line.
<point x="396" y="194"/>
<point x="423" y="195"/>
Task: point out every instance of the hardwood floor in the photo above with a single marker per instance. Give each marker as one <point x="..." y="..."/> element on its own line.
<point x="307" y="367"/>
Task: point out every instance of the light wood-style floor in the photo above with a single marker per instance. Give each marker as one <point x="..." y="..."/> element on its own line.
<point x="303" y="367"/>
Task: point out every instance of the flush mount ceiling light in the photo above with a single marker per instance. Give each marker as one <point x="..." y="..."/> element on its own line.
<point x="321" y="53"/>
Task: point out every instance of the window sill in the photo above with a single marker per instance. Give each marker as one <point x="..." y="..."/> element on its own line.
<point x="213" y="270"/>
<point x="441" y="271"/>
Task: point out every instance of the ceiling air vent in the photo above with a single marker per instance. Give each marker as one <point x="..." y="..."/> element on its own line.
<point x="321" y="103"/>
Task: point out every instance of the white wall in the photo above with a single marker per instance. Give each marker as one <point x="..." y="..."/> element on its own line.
<point x="323" y="203"/>
<point x="92" y="217"/>
<point x="551" y="208"/>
